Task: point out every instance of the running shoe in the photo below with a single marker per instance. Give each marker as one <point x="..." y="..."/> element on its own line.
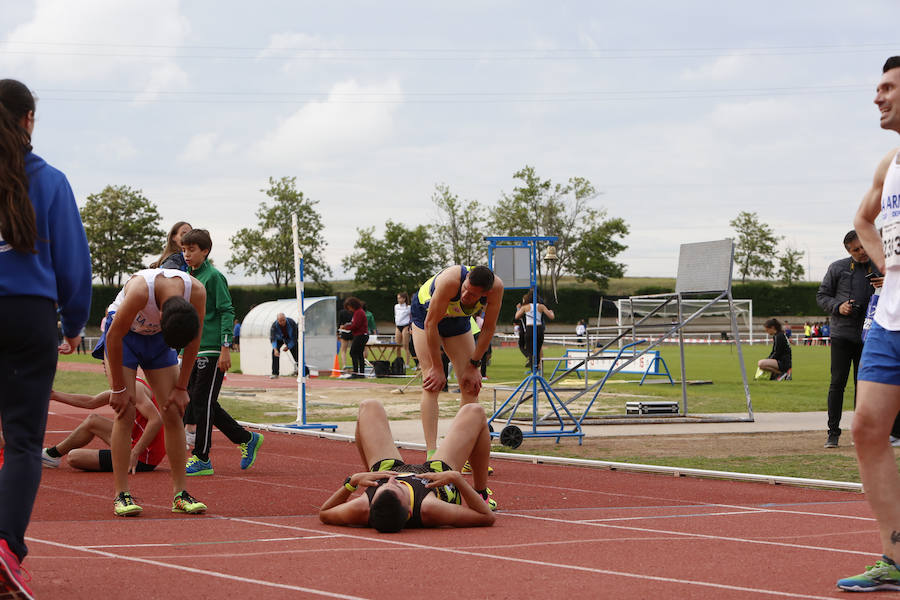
<point x="13" y="577"/>
<point x="250" y="449"/>
<point x="785" y="377"/>
<point x="185" y="503"/>
<point x="883" y="575"/>
<point x="895" y="442"/>
<point x="190" y="437"/>
<point x="467" y="468"/>
<point x="488" y="496"/>
<point x="49" y="461"/>
<point x="832" y="441"/>
<point x="195" y="466"/>
<point x="124" y="506"/>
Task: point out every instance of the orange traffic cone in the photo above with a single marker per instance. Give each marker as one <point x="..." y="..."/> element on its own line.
<point x="336" y="369"/>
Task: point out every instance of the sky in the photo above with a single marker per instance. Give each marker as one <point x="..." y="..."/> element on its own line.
<point x="682" y="114"/>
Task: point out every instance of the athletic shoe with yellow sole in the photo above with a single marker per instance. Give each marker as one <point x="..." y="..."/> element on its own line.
<point x="185" y="503"/>
<point x="467" y="468"/>
<point x="883" y="575"/>
<point x="195" y="466"/>
<point x="488" y="496"/>
<point x="124" y="506"/>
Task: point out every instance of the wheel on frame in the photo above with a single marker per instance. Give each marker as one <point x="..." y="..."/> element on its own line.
<point x="511" y="436"/>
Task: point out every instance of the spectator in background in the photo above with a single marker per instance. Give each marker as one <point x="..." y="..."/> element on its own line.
<point x="401" y="322"/>
<point x="283" y="336"/>
<point x="172" y="258"/>
<point x="370" y="320"/>
<point x="807" y="334"/>
<point x="44" y="263"/>
<point x="344" y="336"/>
<point x="778" y="364"/>
<point x="787" y="331"/>
<point x="581" y="330"/>
<point x="844" y="295"/>
<point x="358" y="328"/>
<point x="534" y="314"/>
<point x="236" y="339"/>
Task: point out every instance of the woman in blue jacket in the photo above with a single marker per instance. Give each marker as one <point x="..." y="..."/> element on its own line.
<point x="44" y="263"/>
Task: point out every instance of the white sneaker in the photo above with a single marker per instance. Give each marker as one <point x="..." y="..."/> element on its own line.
<point x="49" y="461"/>
<point x="895" y="442"/>
<point x="190" y="437"/>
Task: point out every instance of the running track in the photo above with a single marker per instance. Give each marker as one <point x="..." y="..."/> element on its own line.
<point x="562" y="532"/>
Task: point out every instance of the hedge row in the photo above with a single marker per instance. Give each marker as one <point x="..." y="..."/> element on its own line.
<point x="573" y="303"/>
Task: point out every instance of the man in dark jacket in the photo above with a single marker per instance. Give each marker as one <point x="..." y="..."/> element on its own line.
<point x="283" y="334"/>
<point x="844" y="296"/>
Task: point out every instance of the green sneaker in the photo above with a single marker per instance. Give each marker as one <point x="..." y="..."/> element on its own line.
<point x="124" y="506"/>
<point x="488" y="496"/>
<point x="195" y="466"/>
<point x="883" y="575"/>
<point x="185" y="503"/>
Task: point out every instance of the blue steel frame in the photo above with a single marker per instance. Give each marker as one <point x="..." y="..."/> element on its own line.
<point x="301" y="370"/>
<point x="534" y="383"/>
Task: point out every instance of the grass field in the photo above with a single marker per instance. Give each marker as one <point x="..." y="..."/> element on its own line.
<point x="781" y="454"/>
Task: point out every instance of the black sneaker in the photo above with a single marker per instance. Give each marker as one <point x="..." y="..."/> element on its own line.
<point x="832" y="441"/>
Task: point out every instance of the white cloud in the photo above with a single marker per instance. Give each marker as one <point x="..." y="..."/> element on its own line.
<point x="62" y="42"/>
<point x="119" y="147"/>
<point x="353" y="119"/>
<point x="300" y="49"/>
<point x="723" y="68"/>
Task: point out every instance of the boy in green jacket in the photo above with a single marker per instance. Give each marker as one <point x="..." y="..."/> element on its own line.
<point x="213" y="360"/>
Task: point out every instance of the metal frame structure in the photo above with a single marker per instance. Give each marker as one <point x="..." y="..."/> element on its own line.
<point x="715" y="258"/>
<point x="534" y="386"/>
<point x="302" y="376"/>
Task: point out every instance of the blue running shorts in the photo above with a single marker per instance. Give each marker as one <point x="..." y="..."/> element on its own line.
<point x="880" y="360"/>
<point x="146" y="351"/>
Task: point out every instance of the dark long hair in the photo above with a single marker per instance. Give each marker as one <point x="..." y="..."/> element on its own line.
<point x="171" y="247"/>
<point x="17" y="221"/>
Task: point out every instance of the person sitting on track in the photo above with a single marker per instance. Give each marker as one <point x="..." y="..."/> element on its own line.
<point x="399" y="495"/>
<point x="148" y="445"/>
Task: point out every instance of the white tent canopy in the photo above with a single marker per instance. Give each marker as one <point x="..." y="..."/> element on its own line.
<point x="321" y="332"/>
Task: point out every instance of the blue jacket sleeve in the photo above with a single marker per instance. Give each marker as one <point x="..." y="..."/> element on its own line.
<point x="71" y="260"/>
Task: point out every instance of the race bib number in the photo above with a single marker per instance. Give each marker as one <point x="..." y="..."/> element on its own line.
<point x="890" y="240"/>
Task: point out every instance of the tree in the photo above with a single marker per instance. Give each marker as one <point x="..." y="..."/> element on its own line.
<point x="754" y="252"/>
<point x="268" y="249"/>
<point x="403" y="260"/>
<point x="790" y="268"/>
<point x="122" y="228"/>
<point x="541" y="208"/>
<point x="457" y="234"/>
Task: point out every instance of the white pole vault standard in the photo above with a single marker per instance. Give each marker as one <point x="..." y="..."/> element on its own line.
<point x="301" y="326"/>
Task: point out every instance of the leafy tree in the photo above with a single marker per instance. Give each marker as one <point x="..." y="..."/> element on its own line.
<point x="541" y="208"/>
<point x="458" y="238"/>
<point x="122" y="228"/>
<point x="268" y="248"/>
<point x="403" y="260"/>
<point x="790" y="268"/>
<point x="755" y="249"/>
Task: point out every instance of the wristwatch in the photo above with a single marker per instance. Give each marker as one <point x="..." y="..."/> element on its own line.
<point x="474" y="363"/>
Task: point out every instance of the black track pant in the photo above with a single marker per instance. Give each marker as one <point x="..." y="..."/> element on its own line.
<point x="203" y="389"/>
<point x="28" y="354"/>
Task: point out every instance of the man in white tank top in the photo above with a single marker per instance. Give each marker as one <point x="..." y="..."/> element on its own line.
<point x="157" y="312"/>
<point x="878" y="396"/>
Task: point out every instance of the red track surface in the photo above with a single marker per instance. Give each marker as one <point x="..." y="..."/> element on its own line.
<point x="562" y="532"/>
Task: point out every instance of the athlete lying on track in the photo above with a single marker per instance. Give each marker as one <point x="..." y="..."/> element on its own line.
<point x="433" y="494"/>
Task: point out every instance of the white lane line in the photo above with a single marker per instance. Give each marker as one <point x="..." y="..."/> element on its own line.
<point x="691" y="535"/>
<point x="283" y="586"/>
<point x="179" y="544"/>
<point x="540" y="563"/>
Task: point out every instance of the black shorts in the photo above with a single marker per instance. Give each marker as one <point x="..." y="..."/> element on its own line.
<point x="106" y="463"/>
<point x="395" y="464"/>
<point x="345" y="335"/>
<point x="400" y="328"/>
